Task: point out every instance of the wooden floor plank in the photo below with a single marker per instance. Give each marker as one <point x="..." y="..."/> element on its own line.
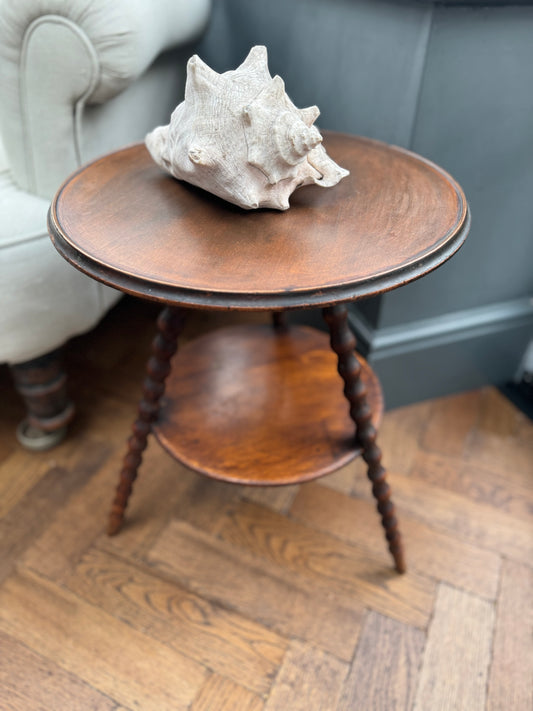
<point x="29" y="681"/>
<point x="11" y="413"/>
<point x="203" y="503"/>
<point x="262" y="604"/>
<point x="503" y="454"/>
<point x="457" y="416"/>
<point x="18" y="473"/>
<point x="399" y="438"/>
<point x="130" y="667"/>
<point x="341" y="569"/>
<point x="342" y="480"/>
<point x="497" y="414"/>
<point x="400" y="434"/>
<point x="162" y="487"/>
<point x="22" y="470"/>
<point x="429" y="552"/>
<point x="385" y="668"/>
<point x="501" y="491"/>
<point x="447" y="511"/>
<point x="265" y="592"/>
<point x="221" y="694"/>
<point x="309" y="680"/>
<point x="28" y="519"/>
<point x="524" y="432"/>
<point x="219" y="639"/>
<point x="456" y="661"/>
<point x="277" y="498"/>
<point x="511" y="674"/>
<point x="75" y="526"/>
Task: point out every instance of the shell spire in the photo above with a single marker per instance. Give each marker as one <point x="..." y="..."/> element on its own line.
<point x="238" y="135"/>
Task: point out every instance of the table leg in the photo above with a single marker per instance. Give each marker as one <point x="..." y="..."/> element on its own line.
<point x="343" y="343"/>
<point x="164" y="345"/>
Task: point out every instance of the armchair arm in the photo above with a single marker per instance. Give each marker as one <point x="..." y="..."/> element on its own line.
<point x="57" y="56"/>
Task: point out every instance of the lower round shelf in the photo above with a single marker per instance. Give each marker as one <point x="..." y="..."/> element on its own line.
<point x="252" y="405"/>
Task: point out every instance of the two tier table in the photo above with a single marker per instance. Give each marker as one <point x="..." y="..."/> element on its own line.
<point x="253" y="404"/>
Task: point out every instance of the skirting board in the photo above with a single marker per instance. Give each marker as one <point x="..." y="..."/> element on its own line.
<point x="447" y="354"/>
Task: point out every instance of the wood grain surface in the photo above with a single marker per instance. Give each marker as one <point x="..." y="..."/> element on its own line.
<point x="480" y="524"/>
<point x="455" y="667"/>
<point x="309" y="678"/>
<point x="385" y="647"/>
<point x="224" y="641"/>
<point x="255" y="405"/>
<point x="221" y="694"/>
<point x="125" y="222"/>
<point x="97" y="647"/>
<point x="511" y="673"/>
<point x="30" y="681"/>
<point x="272" y="594"/>
<point x="217" y="597"/>
<point x="328" y="562"/>
<point x="441" y="555"/>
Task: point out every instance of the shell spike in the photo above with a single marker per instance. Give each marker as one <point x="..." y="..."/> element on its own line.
<point x="200" y="77"/>
<point x="256" y="62"/>
<point x="329" y="170"/>
<point x="277" y="85"/>
<point x="272" y="94"/>
<point x="200" y="156"/>
<point x="157" y="144"/>
<point x="309" y="115"/>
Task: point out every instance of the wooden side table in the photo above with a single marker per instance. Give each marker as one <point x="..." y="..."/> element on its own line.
<point x="252" y="404"/>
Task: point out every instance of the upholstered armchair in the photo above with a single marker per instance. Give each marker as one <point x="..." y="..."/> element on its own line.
<point x="77" y="78"/>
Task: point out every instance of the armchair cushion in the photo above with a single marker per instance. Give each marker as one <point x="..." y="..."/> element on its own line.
<point x="44" y="300"/>
<point x="60" y="55"/>
<point x="79" y="78"/>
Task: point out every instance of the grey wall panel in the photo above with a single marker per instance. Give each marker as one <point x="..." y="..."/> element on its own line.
<point x="456" y="85"/>
<point x="442" y="368"/>
<point x="475" y="118"/>
<point x="360" y="62"/>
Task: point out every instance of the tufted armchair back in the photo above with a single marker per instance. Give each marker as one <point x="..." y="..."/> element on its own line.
<point x="63" y="60"/>
<point x="78" y="78"/>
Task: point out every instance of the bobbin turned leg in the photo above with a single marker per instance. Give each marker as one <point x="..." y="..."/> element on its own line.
<point x="343" y="343"/>
<point x="164" y="345"/>
<point x="42" y="383"/>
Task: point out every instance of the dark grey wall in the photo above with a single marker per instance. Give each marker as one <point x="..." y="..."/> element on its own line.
<point x="360" y="61"/>
<point x="456" y="85"/>
<point x="475" y="118"/>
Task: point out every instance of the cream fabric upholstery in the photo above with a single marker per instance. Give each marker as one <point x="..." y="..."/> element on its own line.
<point x="77" y="79"/>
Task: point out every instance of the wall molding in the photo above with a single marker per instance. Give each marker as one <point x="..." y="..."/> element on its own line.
<point x="451" y="353"/>
<point x="444" y="329"/>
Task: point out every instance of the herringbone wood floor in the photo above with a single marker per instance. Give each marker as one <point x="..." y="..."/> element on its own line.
<point x="221" y="598"/>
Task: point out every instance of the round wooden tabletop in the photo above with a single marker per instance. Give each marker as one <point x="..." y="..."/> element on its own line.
<point x="125" y="222"/>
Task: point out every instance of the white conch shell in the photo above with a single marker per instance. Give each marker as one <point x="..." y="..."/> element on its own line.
<point x="239" y="136"/>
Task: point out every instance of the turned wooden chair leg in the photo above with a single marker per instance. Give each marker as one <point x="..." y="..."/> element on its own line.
<point x="343" y="343"/>
<point x="164" y="345"/>
<point x="42" y="384"/>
